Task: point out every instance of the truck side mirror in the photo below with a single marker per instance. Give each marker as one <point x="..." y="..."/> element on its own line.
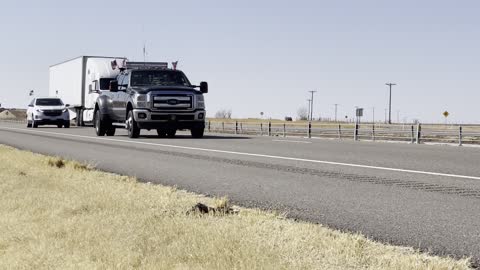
<point x="113" y="86"/>
<point x="67" y="105"/>
<point x="204" y="87"/>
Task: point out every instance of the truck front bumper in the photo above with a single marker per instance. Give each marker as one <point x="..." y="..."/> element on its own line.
<point x="147" y="119"/>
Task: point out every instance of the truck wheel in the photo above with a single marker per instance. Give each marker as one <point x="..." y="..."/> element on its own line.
<point x="132" y="128"/>
<point x="171" y="133"/>
<point x="111" y="131"/>
<point x="197" y="132"/>
<point x="161" y="133"/>
<point x="100" y="127"/>
<point x="67" y="124"/>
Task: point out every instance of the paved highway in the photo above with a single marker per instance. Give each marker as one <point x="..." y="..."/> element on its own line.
<point x="423" y="196"/>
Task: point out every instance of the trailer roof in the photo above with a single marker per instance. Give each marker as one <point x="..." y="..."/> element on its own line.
<point x="88" y="56"/>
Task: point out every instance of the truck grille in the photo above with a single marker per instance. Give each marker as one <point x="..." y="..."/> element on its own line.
<point x="52" y="112"/>
<point x="172" y="102"/>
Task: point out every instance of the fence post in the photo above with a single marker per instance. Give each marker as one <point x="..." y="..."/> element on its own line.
<point x="373" y="132"/>
<point x="419" y="132"/>
<point x="209" y="126"/>
<point x="236" y="127"/>
<point x="241" y="128"/>
<point x="261" y="129"/>
<point x="269" y="128"/>
<point x="413" y="135"/>
<point x="223" y="126"/>
<point x="309" y="130"/>
<point x="339" y="131"/>
<point x="284" y="130"/>
<point x="460" y="135"/>
<point x="355" y="132"/>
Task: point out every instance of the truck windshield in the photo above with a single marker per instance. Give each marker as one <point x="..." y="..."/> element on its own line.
<point x="49" y="102"/>
<point x="158" y="77"/>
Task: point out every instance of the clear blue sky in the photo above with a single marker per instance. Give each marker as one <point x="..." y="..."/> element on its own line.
<point x="265" y="55"/>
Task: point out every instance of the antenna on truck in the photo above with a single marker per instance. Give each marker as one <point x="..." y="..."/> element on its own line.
<point x="144" y="52"/>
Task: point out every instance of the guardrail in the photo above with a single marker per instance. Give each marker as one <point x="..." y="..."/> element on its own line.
<point x="419" y="133"/>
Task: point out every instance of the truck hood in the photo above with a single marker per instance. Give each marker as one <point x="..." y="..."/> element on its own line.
<point x="144" y="90"/>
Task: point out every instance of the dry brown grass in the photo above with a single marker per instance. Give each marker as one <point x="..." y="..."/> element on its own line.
<point x="72" y="217"/>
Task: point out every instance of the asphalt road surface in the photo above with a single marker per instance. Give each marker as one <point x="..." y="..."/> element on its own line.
<point x="422" y="196"/>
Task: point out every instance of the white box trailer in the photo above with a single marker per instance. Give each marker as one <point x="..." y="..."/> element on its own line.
<point x="79" y="81"/>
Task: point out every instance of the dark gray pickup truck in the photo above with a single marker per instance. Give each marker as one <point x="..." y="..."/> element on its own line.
<point x="150" y="97"/>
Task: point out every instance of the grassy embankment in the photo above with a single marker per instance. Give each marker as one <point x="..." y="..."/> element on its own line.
<point x="65" y="215"/>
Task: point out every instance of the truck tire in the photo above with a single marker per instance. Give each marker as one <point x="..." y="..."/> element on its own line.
<point x="197" y="132"/>
<point x="171" y="133"/>
<point x="99" y="124"/>
<point x="161" y="133"/>
<point x="132" y="128"/>
<point x="111" y="131"/>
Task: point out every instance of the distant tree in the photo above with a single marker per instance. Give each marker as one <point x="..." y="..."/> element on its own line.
<point x="224" y="114"/>
<point x="302" y="113"/>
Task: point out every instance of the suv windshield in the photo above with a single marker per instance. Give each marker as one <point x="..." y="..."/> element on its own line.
<point x="49" y="102"/>
<point x="158" y="77"/>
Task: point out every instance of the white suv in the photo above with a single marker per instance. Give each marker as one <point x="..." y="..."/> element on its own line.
<point x="48" y="111"/>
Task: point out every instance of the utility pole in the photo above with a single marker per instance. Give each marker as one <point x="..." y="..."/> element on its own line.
<point x="390" y="103"/>
<point x="311" y="109"/>
<point x="336" y="106"/>
<point x="386" y="115"/>
<point x="309" y="104"/>
<point x="398" y="116"/>
<point x="373" y="115"/>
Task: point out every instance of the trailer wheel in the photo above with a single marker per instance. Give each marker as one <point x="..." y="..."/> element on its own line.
<point x="132" y="128"/>
<point x="100" y="127"/>
<point x="79" y="120"/>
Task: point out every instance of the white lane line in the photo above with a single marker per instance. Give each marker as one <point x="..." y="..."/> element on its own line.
<point x="249" y="154"/>
<point x="290" y="141"/>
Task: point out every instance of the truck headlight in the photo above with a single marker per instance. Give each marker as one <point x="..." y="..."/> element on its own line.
<point x="141" y="101"/>
<point x="200" y="102"/>
<point x="141" y="98"/>
<point x="38" y="110"/>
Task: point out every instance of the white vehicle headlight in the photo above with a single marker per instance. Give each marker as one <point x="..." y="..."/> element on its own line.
<point x="200" y="102"/>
